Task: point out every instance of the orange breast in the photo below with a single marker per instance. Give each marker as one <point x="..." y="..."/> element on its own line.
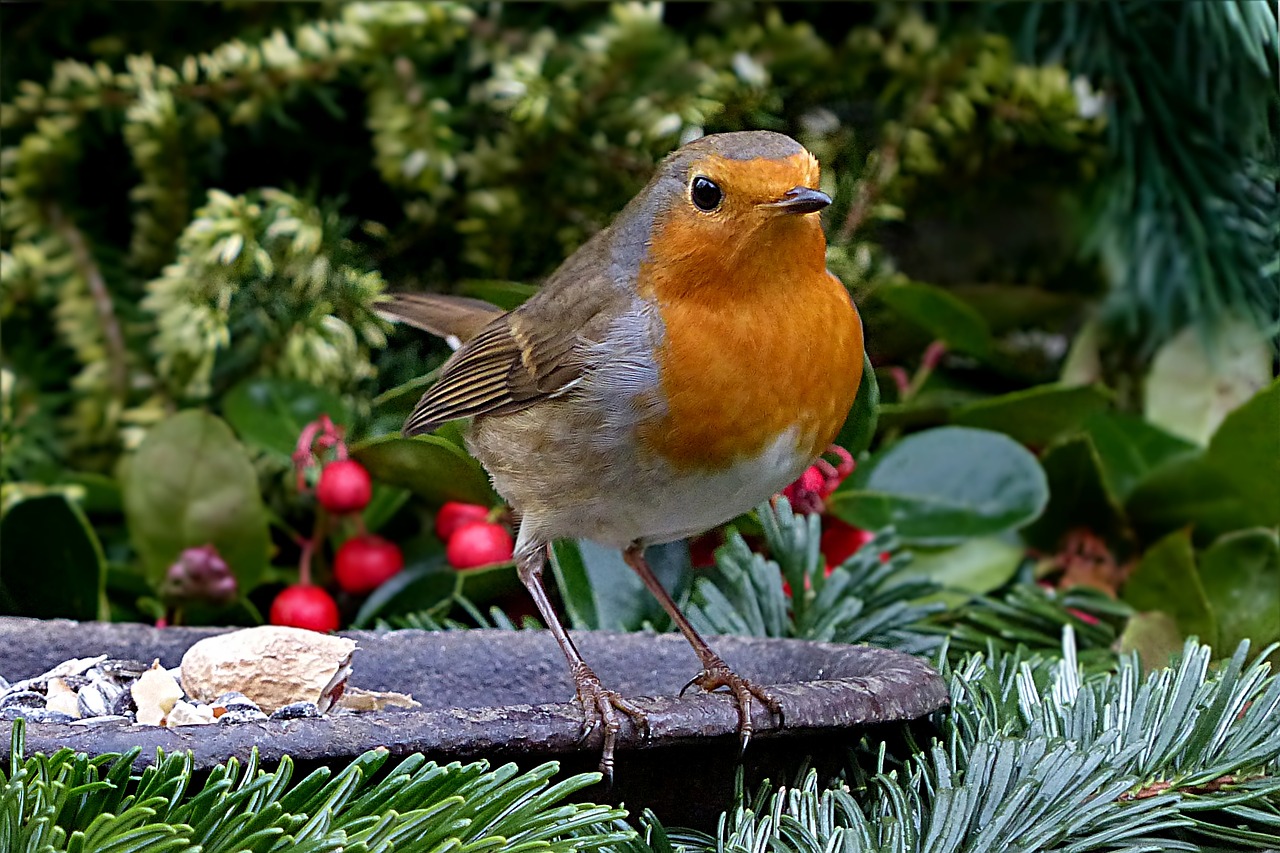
<point x="758" y="340"/>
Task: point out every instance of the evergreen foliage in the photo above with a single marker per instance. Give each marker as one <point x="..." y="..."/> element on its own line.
<point x="859" y="601"/>
<point x="1037" y="755"/>
<point x="67" y="801"/>
<point x="865" y="599"/>
<point x="1187" y="218"/>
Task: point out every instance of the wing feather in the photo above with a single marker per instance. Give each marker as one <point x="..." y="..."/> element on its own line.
<point x="536" y="352"/>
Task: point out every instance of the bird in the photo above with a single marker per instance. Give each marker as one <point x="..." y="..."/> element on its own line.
<point x="681" y="367"/>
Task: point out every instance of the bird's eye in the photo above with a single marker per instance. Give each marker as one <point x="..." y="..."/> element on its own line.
<point x="705" y="194"/>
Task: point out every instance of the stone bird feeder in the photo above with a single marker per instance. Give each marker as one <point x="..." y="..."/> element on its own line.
<point x="501" y="695"/>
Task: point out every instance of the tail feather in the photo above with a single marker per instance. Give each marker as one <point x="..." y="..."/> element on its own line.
<point x="445" y="316"/>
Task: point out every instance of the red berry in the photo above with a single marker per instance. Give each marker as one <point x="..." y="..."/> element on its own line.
<point x="479" y="544"/>
<point x="344" y="487"/>
<point x="455" y="515"/>
<point x="841" y="540"/>
<point x="307" y="607"/>
<point x="364" y="563"/>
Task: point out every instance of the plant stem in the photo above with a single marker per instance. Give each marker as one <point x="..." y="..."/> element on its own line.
<point x="113" y="337"/>
<point x="885" y="168"/>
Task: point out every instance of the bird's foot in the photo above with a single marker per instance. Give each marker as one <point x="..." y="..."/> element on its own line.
<point x="716" y="674"/>
<point x="599" y="709"/>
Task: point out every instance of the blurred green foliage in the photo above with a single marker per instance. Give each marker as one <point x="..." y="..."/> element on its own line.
<point x="299" y="157"/>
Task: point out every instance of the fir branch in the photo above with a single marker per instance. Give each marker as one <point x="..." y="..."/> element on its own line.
<point x="858" y="601"/>
<point x="1036" y="755"/>
<point x="71" y="801"/>
<point x="1187" y="221"/>
<point x="1031" y="617"/>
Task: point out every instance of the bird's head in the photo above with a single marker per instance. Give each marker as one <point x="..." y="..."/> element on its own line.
<point x="736" y="208"/>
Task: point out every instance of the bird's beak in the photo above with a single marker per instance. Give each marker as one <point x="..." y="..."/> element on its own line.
<point x="801" y="200"/>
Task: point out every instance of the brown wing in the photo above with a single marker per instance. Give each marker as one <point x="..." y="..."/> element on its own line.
<point x="530" y="354"/>
<point x="440" y="314"/>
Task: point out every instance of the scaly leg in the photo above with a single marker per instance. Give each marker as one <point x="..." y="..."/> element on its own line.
<point x="715" y="672"/>
<point x="598" y="704"/>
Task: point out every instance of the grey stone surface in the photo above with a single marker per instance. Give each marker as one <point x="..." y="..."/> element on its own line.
<point x="503" y="695"/>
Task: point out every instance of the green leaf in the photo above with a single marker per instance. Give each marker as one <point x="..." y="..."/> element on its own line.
<point x="944" y="485"/>
<point x="486" y="583"/>
<point x="1191" y="389"/>
<point x="431" y="467"/>
<point x="971" y="568"/>
<point x="1230" y="486"/>
<point x="51" y="564"/>
<point x="396" y="403"/>
<point x="190" y="484"/>
<point x="1078" y="498"/>
<point x="570" y="568"/>
<point x="101" y="493"/>
<point x="504" y="294"/>
<point x="1130" y="448"/>
<point x="268" y="413"/>
<point x="912" y="417"/>
<point x="1167" y="580"/>
<point x="1083" y="364"/>
<point x="385" y="502"/>
<point x="430" y="585"/>
<point x="1154" y="636"/>
<point x="1241" y="577"/>
<point x="600" y="591"/>
<point x="1246" y="448"/>
<point x="1036" y="415"/>
<point x="860" y="426"/>
<point x="942" y="315"/>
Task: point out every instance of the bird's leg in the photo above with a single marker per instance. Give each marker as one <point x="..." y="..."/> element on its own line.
<point x="598" y="704"/>
<point x="715" y="672"/>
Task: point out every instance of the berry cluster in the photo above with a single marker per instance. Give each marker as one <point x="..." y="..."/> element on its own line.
<point x="472" y="538"/>
<point x="362" y="563"/>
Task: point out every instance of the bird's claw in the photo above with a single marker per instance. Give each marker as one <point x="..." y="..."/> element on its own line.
<point x="599" y="708"/>
<point x="716" y="675"/>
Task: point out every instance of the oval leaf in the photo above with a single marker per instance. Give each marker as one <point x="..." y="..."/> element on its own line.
<point x="429" y="466"/>
<point x="1191" y="389"/>
<point x="1130" y="448"/>
<point x="1035" y="415"/>
<point x="943" y="485"/>
<point x="1241" y="577"/>
<point x="1166" y="580"/>
<point x="51" y="565"/>
<point x="1230" y="486"/>
<point x="1155" y="636"/>
<point x="860" y="425"/>
<point x="942" y="315"/>
<point x="971" y="568"/>
<point x="1246" y="448"/>
<point x="429" y="585"/>
<point x="269" y="413"/>
<point x="600" y="591"/>
<point x="190" y="484"/>
<point x="1078" y="498"/>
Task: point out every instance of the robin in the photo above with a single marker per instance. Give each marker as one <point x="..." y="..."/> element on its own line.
<point x="682" y="366"/>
